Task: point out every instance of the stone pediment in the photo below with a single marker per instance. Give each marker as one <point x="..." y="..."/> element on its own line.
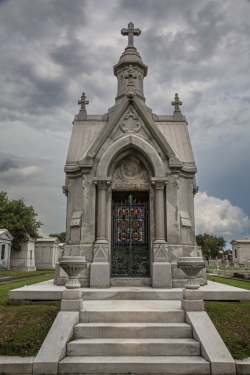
<point x="129" y="117"/>
<point x="5" y="235"/>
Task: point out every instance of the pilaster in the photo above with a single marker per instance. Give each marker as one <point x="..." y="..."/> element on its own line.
<point x="173" y="222"/>
<point x="100" y="268"/>
<point x="161" y="268"/>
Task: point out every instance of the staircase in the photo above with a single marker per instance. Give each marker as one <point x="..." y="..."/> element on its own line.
<point x="133" y="336"/>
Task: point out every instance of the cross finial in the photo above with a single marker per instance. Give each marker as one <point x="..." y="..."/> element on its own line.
<point x="83" y="102"/>
<point x="131" y="32"/>
<point x="131" y="75"/>
<point x="176" y="104"/>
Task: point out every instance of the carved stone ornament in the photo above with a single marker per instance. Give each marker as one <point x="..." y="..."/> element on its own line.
<point x="130" y="123"/>
<point x="191" y="266"/>
<point x="131" y="169"/>
<point x="65" y="190"/>
<point x="175" y="184"/>
<point x="102" y="184"/>
<point x="85" y="183"/>
<point x="73" y="265"/>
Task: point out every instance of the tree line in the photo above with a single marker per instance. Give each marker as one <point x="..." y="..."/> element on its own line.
<point x="21" y="221"/>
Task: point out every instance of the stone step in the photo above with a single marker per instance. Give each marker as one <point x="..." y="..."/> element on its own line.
<point x="125" y="311"/>
<point x="132" y="330"/>
<point x="133" y="347"/>
<point x="132" y="316"/>
<point x="172" y="365"/>
<point x="132" y="293"/>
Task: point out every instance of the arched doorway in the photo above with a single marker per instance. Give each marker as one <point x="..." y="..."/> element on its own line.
<point x="130" y="233"/>
<point x="130" y="244"/>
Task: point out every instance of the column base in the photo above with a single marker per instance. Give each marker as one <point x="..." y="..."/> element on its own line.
<point x="161" y="275"/>
<point x="72" y="300"/>
<point x="192" y="300"/>
<point x="100" y="275"/>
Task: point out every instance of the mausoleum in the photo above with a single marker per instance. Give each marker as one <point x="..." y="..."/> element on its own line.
<point x="46" y="253"/>
<point x="241" y="250"/>
<point x="130" y="185"/>
<point x="5" y="248"/>
<point x="24" y="260"/>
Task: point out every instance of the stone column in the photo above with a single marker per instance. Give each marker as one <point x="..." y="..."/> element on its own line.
<point x="100" y="268"/>
<point x="173" y="225"/>
<point x="159" y="210"/>
<point x="161" y="268"/>
<point x="101" y="210"/>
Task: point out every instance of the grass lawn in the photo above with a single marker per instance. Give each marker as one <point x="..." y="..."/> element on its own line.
<point x="24" y="328"/>
<point x="224" y="268"/>
<point x="23" y="274"/>
<point x="232" y="321"/>
<point x="229" y="281"/>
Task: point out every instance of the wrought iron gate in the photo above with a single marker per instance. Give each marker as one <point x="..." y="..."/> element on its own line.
<point x="130" y="239"/>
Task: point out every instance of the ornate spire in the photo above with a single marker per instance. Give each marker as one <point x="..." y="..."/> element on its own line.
<point x="131" y="32"/>
<point x="83" y="102"/>
<point x="176" y="104"/>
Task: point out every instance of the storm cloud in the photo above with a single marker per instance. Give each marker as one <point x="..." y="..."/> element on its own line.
<point x="53" y="50"/>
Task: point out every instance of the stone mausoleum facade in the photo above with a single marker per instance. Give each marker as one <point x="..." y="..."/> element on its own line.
<point x="130" y="185"/>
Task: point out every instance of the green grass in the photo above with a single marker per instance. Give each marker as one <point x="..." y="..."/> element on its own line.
<point x="231" y="268"/>
<point x="24" y="274"/>
<point x="24" y="328"/>
<point x="232" y="320"/>
<point x="229" y="281"/>
<point x="4" y="289"/>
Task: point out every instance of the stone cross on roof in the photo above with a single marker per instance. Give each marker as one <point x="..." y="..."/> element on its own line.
<point x="176" y="104"/>
<point x="131" y="75"/>
<point x="83" y="102"/>
<point x="131" y="32"/>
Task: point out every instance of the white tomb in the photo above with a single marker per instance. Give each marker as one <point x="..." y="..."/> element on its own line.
<point x="46" y="253"/>
<point x="24" y="260"/>
<point x="241" y="250"/>
<point x="5" y="248"/>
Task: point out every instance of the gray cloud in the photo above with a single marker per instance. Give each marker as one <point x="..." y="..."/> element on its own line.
<point x="52" y="51"/>
<point x="7" y="164"/>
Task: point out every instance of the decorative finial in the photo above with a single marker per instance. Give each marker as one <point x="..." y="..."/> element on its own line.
<point x="83" y="102"/>
<point x="131" y="32"/>
<point x="176" y="104"/>
<point x="131" y="75"/>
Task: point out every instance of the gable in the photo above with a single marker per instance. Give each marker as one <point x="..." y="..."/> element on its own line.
<point x="5" y="235"/>
<point x="129" y="117"/>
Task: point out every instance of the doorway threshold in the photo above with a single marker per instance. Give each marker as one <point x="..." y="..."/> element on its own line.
<point x="130" y="281"/>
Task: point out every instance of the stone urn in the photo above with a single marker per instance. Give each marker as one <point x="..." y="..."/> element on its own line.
<point x="191" y="266"/>
<point x="73" y="265"/>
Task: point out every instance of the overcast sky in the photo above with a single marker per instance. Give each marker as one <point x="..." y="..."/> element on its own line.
<point x="53" y="50"/>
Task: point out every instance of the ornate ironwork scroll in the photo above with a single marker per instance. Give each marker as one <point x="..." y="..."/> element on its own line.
<point x="130" y="242"/>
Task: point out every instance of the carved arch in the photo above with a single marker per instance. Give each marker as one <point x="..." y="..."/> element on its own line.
<point x="130" y="141"/>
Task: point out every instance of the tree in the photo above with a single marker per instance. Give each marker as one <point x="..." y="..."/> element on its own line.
<point x="210" y="245"/>
<point x="61" y="236"/>
<point x="19" y="219"/>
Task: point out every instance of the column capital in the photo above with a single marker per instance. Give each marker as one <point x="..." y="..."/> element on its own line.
<point x="159" y="182"/>
<point x="102" y="183"/>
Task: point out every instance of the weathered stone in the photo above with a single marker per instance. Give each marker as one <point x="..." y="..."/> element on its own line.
<point x="212" y="347"/>
<point x="54" y="346"/>
<point x="128" y="152"/>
